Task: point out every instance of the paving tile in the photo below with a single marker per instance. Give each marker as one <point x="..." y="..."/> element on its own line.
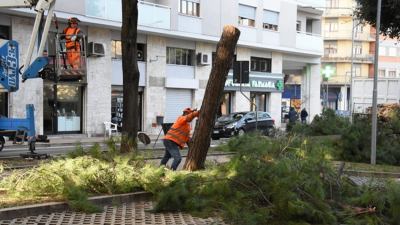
<point x="135" y="213"/>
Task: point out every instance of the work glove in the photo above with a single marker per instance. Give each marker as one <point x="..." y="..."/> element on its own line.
<point x="73" y="38"/>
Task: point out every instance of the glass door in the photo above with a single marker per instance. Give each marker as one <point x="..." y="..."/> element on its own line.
<point x="62" y="108"/>
<point x="69" y="108"/>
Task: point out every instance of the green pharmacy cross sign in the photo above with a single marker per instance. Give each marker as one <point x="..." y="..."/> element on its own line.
<point x="327" y="72"/>
<point x="279" y="85"/>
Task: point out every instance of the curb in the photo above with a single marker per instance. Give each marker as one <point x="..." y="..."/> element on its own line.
<point x="362" y="173"/>
<point x="52" y="207"/>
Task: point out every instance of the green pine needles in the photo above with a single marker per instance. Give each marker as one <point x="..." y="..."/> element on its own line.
<point x="285" y="181"/>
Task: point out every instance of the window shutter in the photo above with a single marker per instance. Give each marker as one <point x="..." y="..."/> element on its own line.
<point x="271" y="17"/>
<point x="247" y="12"/>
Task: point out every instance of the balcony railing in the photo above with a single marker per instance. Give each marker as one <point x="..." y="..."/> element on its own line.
<point x="154" y="15"/>
<point x="337" y="12"/>
<point x="367" y="58"/>
<point x="346" y="35"/>
<point x="311" y="3"/>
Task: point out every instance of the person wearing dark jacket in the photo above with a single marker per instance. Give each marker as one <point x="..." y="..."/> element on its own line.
<point x="292" y="119"/>
<point x="303" y="115"/>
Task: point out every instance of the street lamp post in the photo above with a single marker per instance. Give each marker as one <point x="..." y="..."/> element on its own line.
<point x="374" y="92"/>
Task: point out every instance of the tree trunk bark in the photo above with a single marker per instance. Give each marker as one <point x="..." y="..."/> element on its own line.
<point x="214" y="90"/>
<point x="130" y="75"/>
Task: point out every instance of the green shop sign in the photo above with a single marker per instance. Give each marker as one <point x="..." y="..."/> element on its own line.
<point x="262" y="83"/>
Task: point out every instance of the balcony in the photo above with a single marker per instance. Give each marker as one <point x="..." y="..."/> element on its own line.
<point x="346" y="35"/>
<point x="365" y="58"/>
<point x="309" y="41"/>
<point x="154" y="15"/>
<point x="335" y="12"/>
<point x="311" y="3"/>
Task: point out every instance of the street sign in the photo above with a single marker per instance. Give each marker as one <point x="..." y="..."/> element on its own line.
<point x="241" y="72"/>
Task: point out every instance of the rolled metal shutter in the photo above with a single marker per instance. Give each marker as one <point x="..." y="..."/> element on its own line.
<point x="176" y="101"/>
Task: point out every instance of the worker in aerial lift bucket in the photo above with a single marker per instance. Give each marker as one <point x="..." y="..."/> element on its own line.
<point x="72" y="35"/>
<point x="177" y="136"/>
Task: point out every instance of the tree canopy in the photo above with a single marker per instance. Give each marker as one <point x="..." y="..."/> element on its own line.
<point x="390" y="17"/>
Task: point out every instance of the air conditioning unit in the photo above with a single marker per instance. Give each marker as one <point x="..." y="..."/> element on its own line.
<point x="95" y="49"/>
<point x="203" y="59"/>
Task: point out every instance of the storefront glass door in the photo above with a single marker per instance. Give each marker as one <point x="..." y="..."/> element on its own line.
<point x="62" y="108"/>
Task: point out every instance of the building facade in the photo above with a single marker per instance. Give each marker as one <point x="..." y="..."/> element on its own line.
<point x="388" y="78"/>
<point x="176" y="43"/>
<point x="338" y="26"/>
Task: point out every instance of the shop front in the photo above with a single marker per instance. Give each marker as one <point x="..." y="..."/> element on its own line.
<point x="62" y="108"/>
<point x="258" y="90"/>
<point x="117" y="106"/>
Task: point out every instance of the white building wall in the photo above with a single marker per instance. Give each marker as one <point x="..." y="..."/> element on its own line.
<point x="98" y="91"/>
<point x="31" y="91"/>
<point x="155" y="92"/>
<point x="276" y="97"/>
<point x="311" y="94"/>
<point x="202" y="73"/>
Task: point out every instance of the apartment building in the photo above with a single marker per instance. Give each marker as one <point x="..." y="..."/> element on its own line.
<point x="176" y="42"/>
<point x="338" y="26"/>
<point x="388" y="77"/>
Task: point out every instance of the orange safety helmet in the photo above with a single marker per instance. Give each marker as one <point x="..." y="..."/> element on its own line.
<point x="74" y="20"/>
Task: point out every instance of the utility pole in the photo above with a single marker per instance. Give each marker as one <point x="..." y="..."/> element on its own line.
<point x="375" y="92"/>
<point x="350" y="107"/>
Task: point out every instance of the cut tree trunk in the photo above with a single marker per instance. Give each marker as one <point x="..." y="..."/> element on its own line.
<point x="201" y="138"/>
<point x="130" y="75"/>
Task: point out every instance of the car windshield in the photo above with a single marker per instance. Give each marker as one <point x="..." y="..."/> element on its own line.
<point x="230" y="117"/>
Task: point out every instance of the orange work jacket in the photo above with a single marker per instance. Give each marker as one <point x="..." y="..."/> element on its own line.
<point x="180" y="130"/>
<point x="69" y="32"/>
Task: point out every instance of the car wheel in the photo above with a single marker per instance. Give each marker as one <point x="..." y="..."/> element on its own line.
<point x="2" y="142"/>
<point x="241" y="132"/>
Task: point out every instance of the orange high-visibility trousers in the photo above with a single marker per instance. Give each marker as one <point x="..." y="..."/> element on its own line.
<point x="74" y="57"/>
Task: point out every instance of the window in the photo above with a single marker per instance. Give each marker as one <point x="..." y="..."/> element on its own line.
<point x="298" y="26"/>
<point x="357" y="50"/>
<point x="392" y="73"/>
<point x="359" y="27"/>
<point x="190" y="7"/>
<point x="116" y="50"/>
<point x="357" y="69"/>
<point x="180" y="56"/>
<point x="392" y="51"/>
<point x="309" y="26"/>
<point x="332" y="3"/>
<point x="270" y="20"/>
<point x="381" y="73"/>
<point x="214" y="56"/>
<point x="260" y="64"/>
<point x="330" y="47"/>
<point x="331" y="25"/>
<point x="247" y="15"/>
<point x="4" y="32"/>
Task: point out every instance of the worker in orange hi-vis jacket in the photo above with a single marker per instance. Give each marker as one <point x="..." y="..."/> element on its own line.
<point x="177" y="136"/>
<point x="72" y="44"/>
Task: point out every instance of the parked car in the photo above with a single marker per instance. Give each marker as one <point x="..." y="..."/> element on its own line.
<point x="242" y="122"/>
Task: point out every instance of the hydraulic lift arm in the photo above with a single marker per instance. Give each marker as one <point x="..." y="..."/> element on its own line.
<point x="7" y="50"/>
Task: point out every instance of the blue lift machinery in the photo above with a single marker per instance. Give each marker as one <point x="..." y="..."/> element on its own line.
<point x="10" y="69"/>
